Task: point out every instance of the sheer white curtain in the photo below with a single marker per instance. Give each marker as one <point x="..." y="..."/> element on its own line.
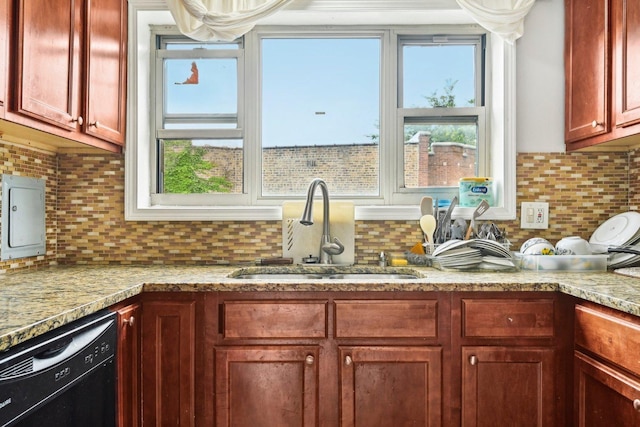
<point x="502" y="17"/>
<point x="223" y="20"/>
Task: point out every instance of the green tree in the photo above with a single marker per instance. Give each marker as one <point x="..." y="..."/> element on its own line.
<point x="185" y="170"/>
<point x="462" y="133"/>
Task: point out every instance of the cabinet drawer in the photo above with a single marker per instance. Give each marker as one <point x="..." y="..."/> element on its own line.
<point x="384" y="318"/>
<point x="608" y="336"/>
<point x="274" y="319"/>
<point x="498" y="318"/>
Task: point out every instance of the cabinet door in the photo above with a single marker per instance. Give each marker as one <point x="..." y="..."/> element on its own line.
<point x="587" y="69"/>
<point x="106" y="70"/>
<point x="4" y="58"/>
<point x="129" y="366"/>
<point x="168" y="363"/>
<point x="626" y="22"/>
<point x="266" y="386"/>
<point x="49" y="36"/>
<point x="604" y="396"/>
<point x="383" y="386"/>
<point x="504" y="386"/>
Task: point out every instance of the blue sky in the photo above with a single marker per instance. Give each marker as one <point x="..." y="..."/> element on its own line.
<point x="322" y="91"/>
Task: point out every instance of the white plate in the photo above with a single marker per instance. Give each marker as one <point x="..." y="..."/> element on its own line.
<point x="618" y="230"/>
<point x="491" y="247"/>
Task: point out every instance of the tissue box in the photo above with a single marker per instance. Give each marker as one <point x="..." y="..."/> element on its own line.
<point x="563" y="262"/>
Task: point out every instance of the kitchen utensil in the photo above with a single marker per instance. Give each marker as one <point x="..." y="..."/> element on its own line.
<point x="428" y="225"/>
<point x="426" y="206"/>
<point x="444" y="226"/>
<point x="458" y="229"/>
<point x="482" y="208"/>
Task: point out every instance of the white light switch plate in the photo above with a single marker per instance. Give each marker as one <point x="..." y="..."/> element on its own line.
<point x="534" y="215"/>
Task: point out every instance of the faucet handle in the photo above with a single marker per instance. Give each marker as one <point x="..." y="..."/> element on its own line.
<point x="335" y="248"/>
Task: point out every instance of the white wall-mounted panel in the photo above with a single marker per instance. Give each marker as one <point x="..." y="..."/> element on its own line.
<point x="23" y="217"/>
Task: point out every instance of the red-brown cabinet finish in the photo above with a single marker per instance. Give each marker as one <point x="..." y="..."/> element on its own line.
<point x="604" y="396"/>
<point x="383" y="385"/>
<point x="169" y="361"/>
<point x="49" y="46"/>
<point x="69" y="69"/>
<point x="602" y="73"/>
<point x="508" y="386"/>
<point x="587" y="67"/>
<point x="607" y="369"/>
<point x="106" y="70"/>
<point x="512" y="359"/>
<point x="4" y="58"/>
<point x="128" y="395"/>
<point x="626" y="27"/>
<point x="266" y="386"/>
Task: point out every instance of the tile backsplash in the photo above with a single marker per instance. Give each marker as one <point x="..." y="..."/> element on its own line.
<point x="85" y="211"/>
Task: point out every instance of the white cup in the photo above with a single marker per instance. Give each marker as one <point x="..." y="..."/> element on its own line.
<point x="573" y="245"/>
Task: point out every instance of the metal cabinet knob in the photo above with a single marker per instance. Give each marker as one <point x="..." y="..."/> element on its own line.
<point x="96" y="124"/>
<point x="79" y="120"/>
<point x="129" y="322"/>
<point x="309" y="360"/>
<point x="636" y="405"/>
<point x="473" y="360"/>
<point x="595" y="124"/>
<point x="348" y="360"/>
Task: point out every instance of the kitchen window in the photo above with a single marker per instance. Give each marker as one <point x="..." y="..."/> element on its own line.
<point x="385" y="114"/>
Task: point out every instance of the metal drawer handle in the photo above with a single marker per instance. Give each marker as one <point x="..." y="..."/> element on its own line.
<point x="348" y="360"/>
<point x="473" y="360"/>
<point x="636" y="405"/>
<point x="309" y="360"/>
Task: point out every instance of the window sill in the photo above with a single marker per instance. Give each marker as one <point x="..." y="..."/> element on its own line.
<point x="274" y="213"/>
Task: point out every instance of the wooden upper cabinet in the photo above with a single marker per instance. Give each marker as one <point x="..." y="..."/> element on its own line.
<point x="602" y="73"/>
<point x="69" y="69"/>
<point x="626" y="24"/>
<point x="4" y="58"/>
<point x="48" y="61"/>
<point x="106" y="71"/>
<point x="587" y="67"/>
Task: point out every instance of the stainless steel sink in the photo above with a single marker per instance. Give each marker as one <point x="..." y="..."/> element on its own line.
<point x="279" y="275"/>
<point x="374" y="276"/>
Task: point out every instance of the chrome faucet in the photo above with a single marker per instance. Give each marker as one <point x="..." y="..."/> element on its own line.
<point x="327" y="247"/>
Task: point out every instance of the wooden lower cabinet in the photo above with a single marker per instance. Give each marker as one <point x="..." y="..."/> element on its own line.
<point x="367" y="359"/>
<point x="512" y="352"/>
<point x="607" y="367"/>
<point x="128" y="371"/>
<point x="384" y="386"/>
<point x="508" y="386"/>
<point x="604" y="396"/>
<point x="169" y="355"/>
<point x="266" y="386"/>
<point x="328" y="359"/>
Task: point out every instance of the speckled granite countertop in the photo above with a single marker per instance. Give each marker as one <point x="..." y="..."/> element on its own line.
<point x="35" y="302"/>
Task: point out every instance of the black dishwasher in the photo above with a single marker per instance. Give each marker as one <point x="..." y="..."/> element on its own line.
<point x="63" y="378"/>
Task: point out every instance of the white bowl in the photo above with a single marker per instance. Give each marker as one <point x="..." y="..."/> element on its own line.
<point x="573" y="245"/>
<point x="537" y="246"/>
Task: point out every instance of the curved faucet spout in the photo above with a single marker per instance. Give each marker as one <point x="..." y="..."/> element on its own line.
<point x="327" y="248"/>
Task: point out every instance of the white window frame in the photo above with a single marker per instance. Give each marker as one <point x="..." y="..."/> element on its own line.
<point x="139" y="203"/>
